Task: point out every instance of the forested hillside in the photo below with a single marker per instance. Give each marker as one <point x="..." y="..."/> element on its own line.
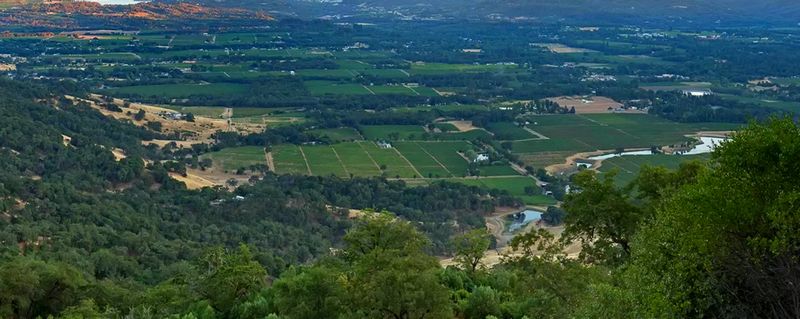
<point x="102" y="226"/>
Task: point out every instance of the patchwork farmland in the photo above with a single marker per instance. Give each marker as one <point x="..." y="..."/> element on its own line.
<point x="404" y="160"/>
<point x="570" y="134"/>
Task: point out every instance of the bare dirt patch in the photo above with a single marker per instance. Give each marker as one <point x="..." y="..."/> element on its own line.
<point x="443" y="93"/>
<point x="66" y="140"/>
<point x="196" y="179"/>
<point x="270" y="161"/>
<point x="192" y="181"/>
<point x="463" y="126"/>
<point x="569" y="164"/>
<point x="119" y="154"/>
<point x="720" y="134"/>
<point x="591" y="105"/>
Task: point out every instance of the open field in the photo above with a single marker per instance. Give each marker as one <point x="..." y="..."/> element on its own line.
<point x="461" y="136"/>
<point x="326" y="87"/>
<point x="356" y="160"/>
<point x="447" y="153"/>
<point x="405" y="160"/>
<point x="418" y="133"/>
<point x="463" y="126"/>
<point x="446" y="127"/>
<point x="627" y="167"/>
<point x="423" y="161"/>
<point x="339" y="88"/>
<point x="386" y="132"/>
<point x="544" y="159"/>
<point x="514" y="185"/>
<point x="497" y="170"/>
<point x="436" y="159"/>
<point x="324" y="161"/>
<point x="343" y="159"/>
<point x="589" y="105"/>
<point x="508" y="131"/>
<point x="675" y="86"/>
<point x="788" y="106"/>
<point x="396" y="165"/>
<point x="289" y="160"/>
<point x="592" y="132"/>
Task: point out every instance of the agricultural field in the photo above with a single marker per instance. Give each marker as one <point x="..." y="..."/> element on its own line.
<point x="436" y="159"/>
<point x="787" y="106"/>
<point x="508" y="131"/>
<point x="404" y="160"/>
<point x="422" y="160"/>
<point x="338" y="134"/>
<point x="392" y="132"/>
<point x="231" y="159"/>
<point x="289" y="159"/>
<point x="462" y="136"/>
<point x="627" y="167"/>
<point x="317" y="87"/>
<point x="356" y="160"/>
<point x="323" y="160"/>
<point x="446" y="127"/>
<point x="395" y="164"/>
<point x="496" y="170"/>
<point x="675" y="86"/>
<point x="514" y="185"/>
<point x="583" y="133"/>
<point x="442" y="68"/>
<point x="328" y="87"/>
<point x="588" y="104"/>
<point x="343" y="159"/>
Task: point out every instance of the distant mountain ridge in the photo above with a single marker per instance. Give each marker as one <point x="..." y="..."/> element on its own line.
<point x="731" y="10"/>
<point x="590" y="11"/>
<point x="75" y="14"/>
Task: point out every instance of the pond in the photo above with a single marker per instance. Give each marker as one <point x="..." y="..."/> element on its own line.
<point x="707" y="145"/>
<point x="522" y="219"/>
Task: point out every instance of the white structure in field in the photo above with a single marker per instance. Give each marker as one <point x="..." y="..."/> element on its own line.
<point x="384" y="145"/>
<point x="697" y="93"/>
<point x="481" y="158"/>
